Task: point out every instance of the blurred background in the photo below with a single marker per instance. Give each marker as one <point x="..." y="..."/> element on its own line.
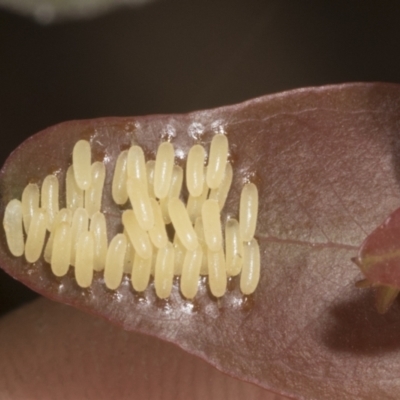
<point x="176" y="56"/>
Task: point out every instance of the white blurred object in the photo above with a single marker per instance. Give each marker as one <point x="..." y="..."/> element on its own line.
<point x="48" y="11"/>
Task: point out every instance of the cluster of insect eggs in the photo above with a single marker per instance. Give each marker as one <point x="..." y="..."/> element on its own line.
<point x="78" y="233"/>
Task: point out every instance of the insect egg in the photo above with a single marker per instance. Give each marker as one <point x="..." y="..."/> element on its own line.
<point x="64" y="215"/>
<point x="138" y="236"/>
<point x="251" y="267"/>
<point x="61" y="249"/>
<point x="163" y="169"/>
<point x="81" y="161"/>
<point x="84" y="259"/>
<point x="36" y="235"/>
<point x="217" y="272"/>
<point x="49" y="198"/>
<point x="114" y="265"/>
<point x="129" y="255"/>
<point x="211" y="224"/>
<point x="198" y="227"/>
<point x="195" y="203"/>
<point x="80" y="224"/>
<point x="74" y="194"/>
<point x="190" y="272"/>
<point x="12" y="224"/>
<point x="141" y="272"/>
<point x="157" y="233"/>
<point x="248" y="211"/>
<point x="30" y="203"/>
<point x="98" y="228"/>
<point x="140" y="200"/>
<point x="217" y="161"/>
<point x="150" y="165"/>
<point x="180" y="251"/>
<point x="164" y="271"/>
<point x="164" y="229"/>
<point x="181" y="222"/>
<point x="221" y="192"/>
<point x="136" y="165"/>
<point x="233" y="248"/>
<point x="119" y="190"/>
<point x="174" y="191"/>
<point x="195" y="170"/>
<point x="94" y="193"/>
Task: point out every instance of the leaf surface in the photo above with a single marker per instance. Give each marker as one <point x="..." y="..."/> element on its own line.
<point x="326" y="163"/>
<point x="379" y="254"/>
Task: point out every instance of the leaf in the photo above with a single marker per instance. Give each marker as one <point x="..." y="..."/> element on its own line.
<point x="379" y="254"/>
<point x="326" y="166"/>
<point x="379" y="260"/>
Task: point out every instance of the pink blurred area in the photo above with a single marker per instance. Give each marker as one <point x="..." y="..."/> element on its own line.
<point x="52" y="351"/>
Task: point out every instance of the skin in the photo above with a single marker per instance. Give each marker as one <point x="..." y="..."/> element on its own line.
<point x="50" y="350"/>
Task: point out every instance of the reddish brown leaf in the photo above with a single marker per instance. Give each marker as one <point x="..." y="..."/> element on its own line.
<point x="379" y="260"/>
<point x="327" y="168"/>
<point x="379" y="255"/>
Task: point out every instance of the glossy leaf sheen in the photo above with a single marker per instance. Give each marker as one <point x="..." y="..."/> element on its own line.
<point x="326" y="163"/>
